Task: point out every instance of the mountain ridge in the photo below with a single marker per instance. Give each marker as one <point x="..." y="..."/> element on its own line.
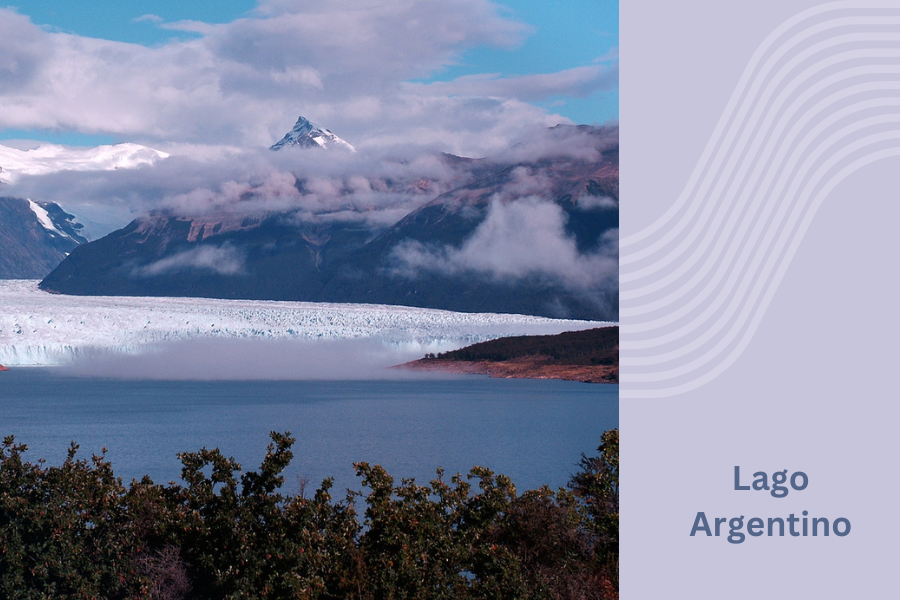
<point x="428" y="258"/>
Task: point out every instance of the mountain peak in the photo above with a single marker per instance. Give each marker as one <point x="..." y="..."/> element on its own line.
<point x="307" y="134"/>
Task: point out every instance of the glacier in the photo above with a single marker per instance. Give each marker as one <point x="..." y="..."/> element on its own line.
<point x="42" y="329"/>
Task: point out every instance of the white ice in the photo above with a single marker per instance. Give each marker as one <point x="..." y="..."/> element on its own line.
<point x="38" y="328"/>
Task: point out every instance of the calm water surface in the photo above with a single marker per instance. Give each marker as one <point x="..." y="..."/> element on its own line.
<point x="534" y="431"/>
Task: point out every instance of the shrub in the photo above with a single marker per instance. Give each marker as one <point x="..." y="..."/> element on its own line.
<point x="75" y="531"/>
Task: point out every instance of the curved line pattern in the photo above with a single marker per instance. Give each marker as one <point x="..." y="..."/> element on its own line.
<point x="818" y="100"/>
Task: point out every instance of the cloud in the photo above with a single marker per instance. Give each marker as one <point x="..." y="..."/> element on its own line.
<point x="375" y="187"/>
<point x="148" y="18"/>
<point x="339" y="62"/>
<point x="517" y="239"/>
<point x="583" y="144"/>
<point x="256" y="360"/>
<point x="611" y="56"/>
<point x="588" y="202"/>
<point x="364" y="42"/>
<point x="22" y="53"/>
<point x="189" y="26"/>
<point x="578" y="82"/>
<point x="224" y="260"/>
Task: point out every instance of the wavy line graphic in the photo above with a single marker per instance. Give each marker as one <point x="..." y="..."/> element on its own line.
<point x="818" y="100"/>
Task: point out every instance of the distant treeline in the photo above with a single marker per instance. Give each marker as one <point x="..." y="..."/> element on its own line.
<point x="75" y="531"/>
<point x="589" y="347"/>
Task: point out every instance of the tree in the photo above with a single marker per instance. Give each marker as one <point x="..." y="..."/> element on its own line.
<point x="596" y="485"/>
<point x="75" y="531"/>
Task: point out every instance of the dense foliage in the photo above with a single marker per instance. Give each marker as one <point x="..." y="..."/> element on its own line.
<point x="74" y="531"/>
<point x="598" y="346"/>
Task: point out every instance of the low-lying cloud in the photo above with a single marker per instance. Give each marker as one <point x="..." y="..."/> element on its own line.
<point x="519" y="239"/>
<point x="254" y="182"/>
<point x="374" y="186"/>
<point x="223" y="260"/>
<point x="255" y="360"/>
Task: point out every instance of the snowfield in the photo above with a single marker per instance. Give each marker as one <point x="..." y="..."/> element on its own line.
<point x="37" y="328"/>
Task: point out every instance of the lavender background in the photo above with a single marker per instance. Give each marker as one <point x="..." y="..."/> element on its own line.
<point x="814" y="390"/>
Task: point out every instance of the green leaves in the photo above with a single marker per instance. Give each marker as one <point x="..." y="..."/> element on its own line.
<point x="63" y="530"/>
<point x="75" y="531"/>
<point x="597" y="487"/>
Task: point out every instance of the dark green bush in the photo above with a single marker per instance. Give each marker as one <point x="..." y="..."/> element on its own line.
<point x="598" y="346"/>
<point x="75" y="531"/>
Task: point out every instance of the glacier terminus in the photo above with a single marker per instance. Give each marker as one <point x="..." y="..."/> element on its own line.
<point x="43" y="329"/>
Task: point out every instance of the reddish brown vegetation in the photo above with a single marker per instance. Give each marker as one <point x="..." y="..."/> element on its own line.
<point x="591" y="356"/>
<point x="521" y="368"/>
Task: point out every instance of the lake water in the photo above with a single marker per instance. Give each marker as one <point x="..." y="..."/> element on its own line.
<point x="532" y="430"/>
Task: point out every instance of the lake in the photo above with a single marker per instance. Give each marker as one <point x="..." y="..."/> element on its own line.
<point x="532" y="430"/>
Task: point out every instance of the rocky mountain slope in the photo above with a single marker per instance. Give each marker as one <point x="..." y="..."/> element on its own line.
<point x="34" y="237"/>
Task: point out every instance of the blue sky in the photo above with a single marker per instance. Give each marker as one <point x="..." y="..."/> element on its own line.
<point x="561" y="39"/>
<point x="486" y="53"/>
<point x="121" y="21"/>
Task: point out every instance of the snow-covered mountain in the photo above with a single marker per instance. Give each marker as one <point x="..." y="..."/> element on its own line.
<point x="37" y="328"/>
<point x="309" y="135"/>
<point x="49" y="158"/>
<point x="34" y="237"/>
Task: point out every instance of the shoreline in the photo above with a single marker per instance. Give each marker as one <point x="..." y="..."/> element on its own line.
<point x="520" y="368"/>
<point x="589" y="356"/>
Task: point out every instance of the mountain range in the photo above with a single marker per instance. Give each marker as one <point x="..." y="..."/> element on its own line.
<point x="532" y="230"/>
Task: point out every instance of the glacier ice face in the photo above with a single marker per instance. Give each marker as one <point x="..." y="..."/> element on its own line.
<point x="38" y="328"/>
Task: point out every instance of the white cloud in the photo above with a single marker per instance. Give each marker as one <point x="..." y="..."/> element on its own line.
<point x="255" y="359"/>
<point x="258" y="182"/>
<point x="189" y="26"/>
<point x="579" y="82"/>
<point x="22" y="53"/>
<point x="588" y="202"/>
<point x="149" y="18"/>
<point x="339" y="62"/>
<point x="517" y="239"/>
<point x="224" y="260"/>
<point x="611" y="56"/>
<point x="377" y="187"/>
